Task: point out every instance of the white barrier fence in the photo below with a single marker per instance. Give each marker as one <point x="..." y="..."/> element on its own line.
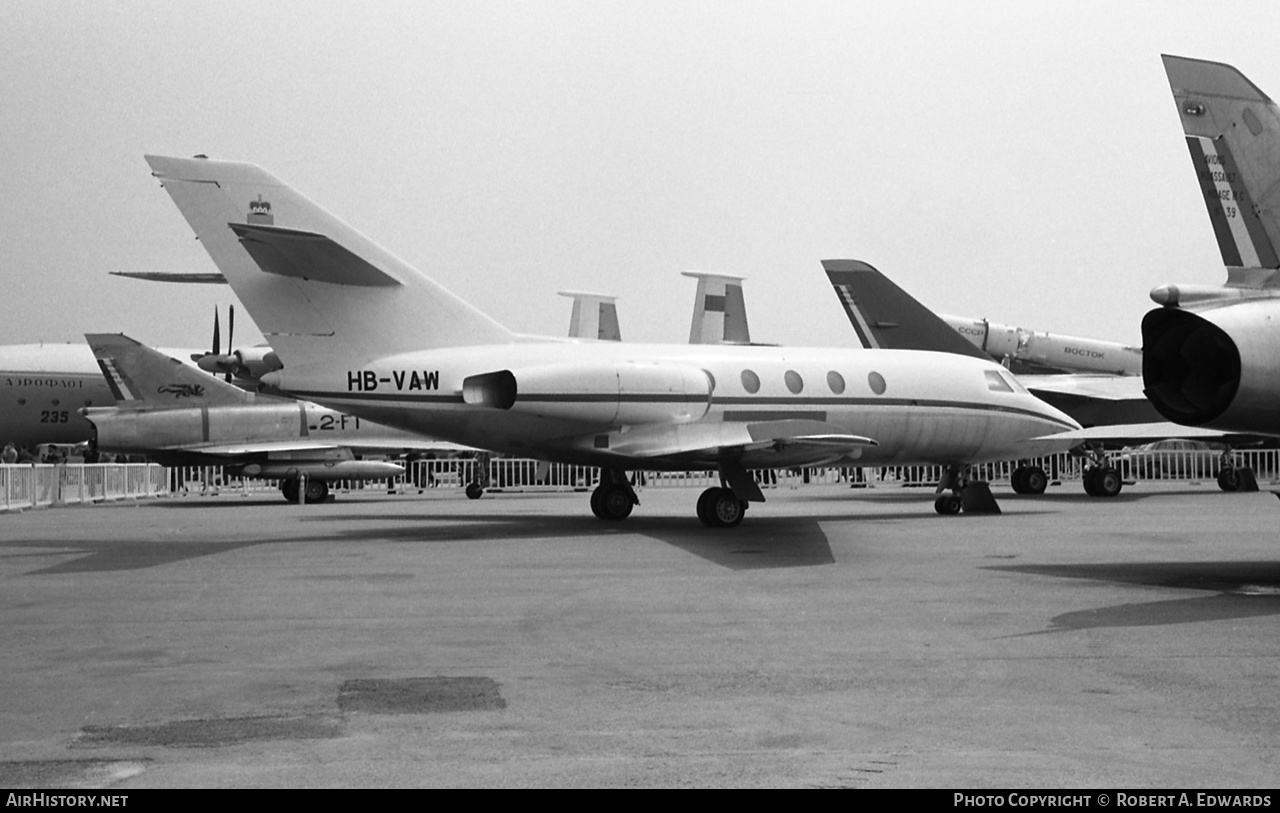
<point x="26" y="486"/>
<point x="41" y="484"/>
<point x="518" y="474"/>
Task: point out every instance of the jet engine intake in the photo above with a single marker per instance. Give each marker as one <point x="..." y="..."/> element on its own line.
<point x="1215" y="368"/>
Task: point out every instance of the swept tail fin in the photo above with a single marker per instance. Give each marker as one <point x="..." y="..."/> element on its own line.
<point x="143" y="378"/>
<point x="318" y="289"/>
<point x="1232" y="130"/>
<point x="595" y="316"/>
<point x="719" y="310"/>
<point x="885" y="316"/>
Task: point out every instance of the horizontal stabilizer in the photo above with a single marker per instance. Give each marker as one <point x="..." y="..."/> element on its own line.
<point x="190" y="278"/>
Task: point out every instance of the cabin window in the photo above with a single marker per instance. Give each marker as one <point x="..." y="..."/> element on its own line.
<point x="22" y="402"/>
<point x="876" y="382"/>
<point x="836" y="382"/>
<point x="996" y="382"/>
<point x="750" y="382"/>
<point x="794" y="382"/>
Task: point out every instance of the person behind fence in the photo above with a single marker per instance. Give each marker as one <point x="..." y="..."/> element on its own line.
<point x="10" y="454"/>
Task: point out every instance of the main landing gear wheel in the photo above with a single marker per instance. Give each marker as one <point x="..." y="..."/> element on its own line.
<point x="474" y="491"/>
<point x="289" y="488"/>
<point x="611" y="501"/>
<point x="1228" y="479"/>
<point x="1102" y="481"/>
<point x="721" y="508"/>
<point x="317" y="491"/>
<point x="947" y="504"/>
<point x="1029" y="480"/>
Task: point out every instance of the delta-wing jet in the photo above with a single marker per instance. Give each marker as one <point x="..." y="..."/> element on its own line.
<point x="177" y="415"/>
<point x="361" y="330"/>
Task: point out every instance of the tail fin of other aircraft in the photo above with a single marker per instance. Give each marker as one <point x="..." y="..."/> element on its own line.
<point x="595" y="316"/>
<point x="1233" y="133"/>
<point x="142" y="378"/>
<point x="319" y="290"/>
<point x="719" y="310"/>
<point x="886" y="317"/>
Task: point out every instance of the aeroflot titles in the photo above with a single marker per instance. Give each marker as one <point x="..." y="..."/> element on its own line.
<point x="1121" y="800"/>
<point x="57" y="383"/>
<point x="402" y="380"/>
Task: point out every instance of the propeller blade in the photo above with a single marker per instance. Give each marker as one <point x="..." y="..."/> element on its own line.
<point x="217" y="341"/>
<point x="231" y="332"/>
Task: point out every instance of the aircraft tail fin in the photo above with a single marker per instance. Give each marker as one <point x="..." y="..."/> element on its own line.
<point x="595" y="316"/>
<point x="719" y="310"/>
<point x="142" y="378"/>
<point x="319" y="290"/>
<point x="1232" y="130"/>
<point x="885" y="316"/>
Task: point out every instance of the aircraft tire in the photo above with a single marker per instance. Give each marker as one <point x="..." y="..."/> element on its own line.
<point x="726" y="509"/>
<point x="704" y="506"/>
<point x="615" y="503"/>
<point x="1019" y="480"/>
<point x="597" y="496"/>
<point x="947" y="504"/>
<point x="1228" y="479"/>
<point x="1107" y="482"/>
<point x="474" y="491"/>
<point x="1034" y="480"/>
<point x="317" y="491"/>
<point x="1090" y="476"/>
<point x="289" y="488"/>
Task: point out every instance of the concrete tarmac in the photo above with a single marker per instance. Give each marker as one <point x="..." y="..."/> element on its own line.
<point x="838" y="638"/>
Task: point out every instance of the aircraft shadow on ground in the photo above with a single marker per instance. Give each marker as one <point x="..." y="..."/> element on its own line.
<point x="1236" y="590"/>
<point x="759" y="543"/>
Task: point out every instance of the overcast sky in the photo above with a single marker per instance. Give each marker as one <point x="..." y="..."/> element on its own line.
<point x="1021" y="161"/>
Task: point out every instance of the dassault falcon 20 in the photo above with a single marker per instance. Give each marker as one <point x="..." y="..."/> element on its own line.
<point x="361" y="330"/>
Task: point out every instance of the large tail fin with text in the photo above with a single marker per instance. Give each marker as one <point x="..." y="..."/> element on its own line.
<point x="143" y="378"/>
<point x="317" y="289"/>
<point x="1233" y="133"/>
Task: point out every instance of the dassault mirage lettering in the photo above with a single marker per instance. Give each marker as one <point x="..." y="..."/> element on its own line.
<point x="181" y="390"/>
<point x="343" y="314"/>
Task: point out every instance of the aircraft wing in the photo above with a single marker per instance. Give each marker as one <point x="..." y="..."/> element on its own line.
<point x="1096" y="387"/>
<point x="1137" y="433"/>
<point x="766" y="444"/>
<point x="370" y="445"/>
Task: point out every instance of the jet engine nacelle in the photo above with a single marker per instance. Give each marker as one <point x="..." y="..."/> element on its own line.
<point x="624" y="393"/>
<point x="255" y="362"/>
<point x="1216" y="368"/>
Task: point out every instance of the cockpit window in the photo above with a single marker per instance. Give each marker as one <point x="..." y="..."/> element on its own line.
<point x="996" y="382"/>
